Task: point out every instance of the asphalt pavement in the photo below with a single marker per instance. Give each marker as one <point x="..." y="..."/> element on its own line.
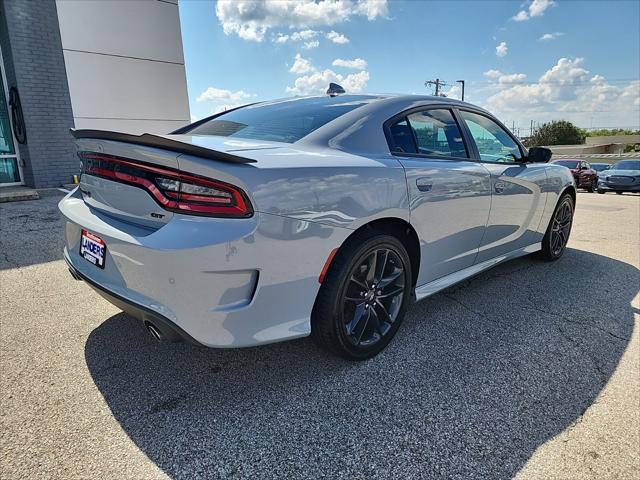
<point x="531" y="369"/>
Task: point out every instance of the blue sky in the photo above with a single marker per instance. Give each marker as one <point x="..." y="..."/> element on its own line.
<point x="534" y="60"/>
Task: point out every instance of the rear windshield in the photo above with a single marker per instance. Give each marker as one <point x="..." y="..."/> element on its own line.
<point x="627" y="165"/>
<point x="568" y="163"/>
<point x="282" y="121"/>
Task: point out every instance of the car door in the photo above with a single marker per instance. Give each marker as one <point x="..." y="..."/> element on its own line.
<point x="449" y="194"/>
<point x="517" y="188"/>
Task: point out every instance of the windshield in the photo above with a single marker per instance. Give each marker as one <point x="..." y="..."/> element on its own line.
<point x="627" y="165"/>
<point x="282" y="121"/>
<point x="568" y="163"/>
<point x="599" y="167"/>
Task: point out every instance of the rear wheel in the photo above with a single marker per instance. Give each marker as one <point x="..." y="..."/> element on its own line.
<point x="363" y="297"/>
<point x="557" y="236"/>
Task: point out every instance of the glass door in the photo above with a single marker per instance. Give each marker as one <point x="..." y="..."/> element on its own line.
<point x="9" y="165"/>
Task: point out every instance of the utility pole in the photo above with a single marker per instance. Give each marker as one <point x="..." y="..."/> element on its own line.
<point x="461" y="82"/>
<point x="438" y="83"/>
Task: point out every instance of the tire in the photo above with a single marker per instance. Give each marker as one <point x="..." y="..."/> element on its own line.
<point x="618" y="193"/>
<point x="559" y="225"/>
<point x="340" y="321"/>
<point x="600" y="191"/>
<point x="594" y="186"/>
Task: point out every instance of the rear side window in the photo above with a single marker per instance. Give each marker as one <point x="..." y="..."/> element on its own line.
<point x="431" y="132"/>
<point x="282" y="121"/>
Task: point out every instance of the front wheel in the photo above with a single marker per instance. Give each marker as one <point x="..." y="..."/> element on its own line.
<point x="557" y="236"/>
<point x="618" y="193"/>
<point x="363" y="297"/>
<point x="601" y="191"/>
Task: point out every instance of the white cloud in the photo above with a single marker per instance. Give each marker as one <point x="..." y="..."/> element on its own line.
<point x="568" y="91"/>
<point x="317" y="82"/>
<point x="454" y="92"/>
<point x="301" y="65"/>
<point x="550" y="36"/>
<point x="311" y="44"/>
<point x="218" y="94"/>
<point x="502" y="49"/>
<point x="356" y="63"/>
<point x="521" y="16"/>
<point x="336" y="37"/>
<point x="536" y="8"/>
<point x="513" y="78"/>
<point x="281" y="38"/>
<point x="492" y="73"/>
<point x="222" y="99"/>
<point x="252" y="19"/>
<point x="304" y="35"/>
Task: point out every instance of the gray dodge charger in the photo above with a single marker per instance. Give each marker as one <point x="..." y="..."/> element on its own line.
<point x="324" y="216"/>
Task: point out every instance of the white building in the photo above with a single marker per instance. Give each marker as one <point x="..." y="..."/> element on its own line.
<point x="103" y="64"/>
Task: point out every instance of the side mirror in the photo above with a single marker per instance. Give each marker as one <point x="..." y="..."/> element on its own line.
<point x="539" y="155"/>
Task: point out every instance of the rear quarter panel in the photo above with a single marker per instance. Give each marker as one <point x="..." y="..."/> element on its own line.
<point x="315" y="185"/>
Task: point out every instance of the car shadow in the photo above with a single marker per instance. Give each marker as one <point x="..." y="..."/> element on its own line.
<point x="477" y="378"/>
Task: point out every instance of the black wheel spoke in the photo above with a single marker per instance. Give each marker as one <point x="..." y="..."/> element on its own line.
<point x="393" y="293"/>
<point x="358" y="315"/>
<point x="388" y="280"/>
<point x="371" y="273"/>
<point x="358" y="282"/>
<point x="362" y="326"/>
<point x="372" y="297"/>
<point x="375" y="321"/>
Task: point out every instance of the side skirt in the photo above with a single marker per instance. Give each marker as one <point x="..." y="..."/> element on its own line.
<point x="430" y="288"/>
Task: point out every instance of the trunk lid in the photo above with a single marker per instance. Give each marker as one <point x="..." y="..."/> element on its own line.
<point x="134" y="204"/>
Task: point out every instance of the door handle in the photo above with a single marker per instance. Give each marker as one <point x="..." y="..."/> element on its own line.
<point x="499" y="187"/>
<point x="424" y="184"/>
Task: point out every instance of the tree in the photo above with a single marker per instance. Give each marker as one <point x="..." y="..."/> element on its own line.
<point x="558" y="132"/>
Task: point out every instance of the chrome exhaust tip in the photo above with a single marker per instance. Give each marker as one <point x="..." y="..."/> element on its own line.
<point x="153" y="331"/>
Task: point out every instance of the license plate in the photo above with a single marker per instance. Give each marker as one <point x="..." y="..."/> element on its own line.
<point x="92" y="248"/>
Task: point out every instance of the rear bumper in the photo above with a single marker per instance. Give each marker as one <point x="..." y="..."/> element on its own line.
<point x="169" y="330"/>
<point x="216" y="282"/>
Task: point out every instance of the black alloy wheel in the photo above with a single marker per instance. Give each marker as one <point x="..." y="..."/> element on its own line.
<point x="364" y="296"/>
<point x="373" y="296"/>
<point x="557" y="235"/>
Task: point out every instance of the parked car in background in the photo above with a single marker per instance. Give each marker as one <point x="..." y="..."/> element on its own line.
<point x="600" y="167"/>
<point x="623" y="176"/>
<point x="583" y="174"/>
<point x="321" y="216"/>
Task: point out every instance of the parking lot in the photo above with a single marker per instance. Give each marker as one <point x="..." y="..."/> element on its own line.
<point x="530" y="369"/>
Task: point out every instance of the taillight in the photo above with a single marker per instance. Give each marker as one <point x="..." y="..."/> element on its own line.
<point x="173" y="190"/>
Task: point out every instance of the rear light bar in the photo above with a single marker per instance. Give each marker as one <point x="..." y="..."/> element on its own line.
<point x="171" y="189"/>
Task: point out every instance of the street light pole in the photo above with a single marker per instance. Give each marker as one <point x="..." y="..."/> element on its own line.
<point x="462" y="82"/>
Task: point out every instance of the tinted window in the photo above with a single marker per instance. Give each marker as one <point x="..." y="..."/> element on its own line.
<point x="568" y="163"/>
<point x="283" y="121"/>
<point x="435" y="131"/>
<point x="493" y="142"/>
<point x="627" y="165"/>
<point x="599" y="167"/>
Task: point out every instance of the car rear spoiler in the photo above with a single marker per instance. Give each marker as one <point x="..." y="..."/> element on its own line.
<point x="157" y="141"/>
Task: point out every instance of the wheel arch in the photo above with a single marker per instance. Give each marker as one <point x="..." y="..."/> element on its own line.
<point x="403" y="231"/>
<point x="571" y="190"/>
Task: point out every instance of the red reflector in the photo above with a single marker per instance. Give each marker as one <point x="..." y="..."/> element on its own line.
<point x="327" y="264"/>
